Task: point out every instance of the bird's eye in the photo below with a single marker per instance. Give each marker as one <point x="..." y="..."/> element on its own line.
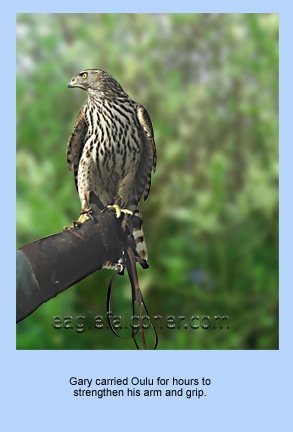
<point x="84" y="75"/>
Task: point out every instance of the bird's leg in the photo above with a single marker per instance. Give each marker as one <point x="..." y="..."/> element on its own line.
<point x="116" y="207"/>
<point x="85" y="213"/>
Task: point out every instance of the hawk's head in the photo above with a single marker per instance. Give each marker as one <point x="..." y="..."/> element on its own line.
<point x="95" y="80"/>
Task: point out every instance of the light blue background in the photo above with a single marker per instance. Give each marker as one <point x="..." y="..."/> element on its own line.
<point x="249" y="390"/>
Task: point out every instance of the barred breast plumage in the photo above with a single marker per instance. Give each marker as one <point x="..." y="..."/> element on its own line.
<point x="112" y="148"/>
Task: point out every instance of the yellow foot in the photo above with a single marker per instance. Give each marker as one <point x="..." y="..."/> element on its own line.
<point x="67" y="227"/>
<point x="119" y="210"/>
<point x="84" y="216"/>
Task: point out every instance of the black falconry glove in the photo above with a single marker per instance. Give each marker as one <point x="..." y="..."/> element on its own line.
<point x="52" y="264"/>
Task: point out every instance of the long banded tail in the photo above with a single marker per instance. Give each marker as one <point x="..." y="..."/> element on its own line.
<point x="140" y="242"/>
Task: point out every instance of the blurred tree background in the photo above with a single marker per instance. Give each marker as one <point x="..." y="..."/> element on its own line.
<point x="210" y="84"/>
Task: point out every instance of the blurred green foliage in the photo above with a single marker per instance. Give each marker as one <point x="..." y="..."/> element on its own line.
<point x="210" y="84"/>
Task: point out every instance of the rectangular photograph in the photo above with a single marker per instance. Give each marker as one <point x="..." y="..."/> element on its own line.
<point x="147" y="181"/>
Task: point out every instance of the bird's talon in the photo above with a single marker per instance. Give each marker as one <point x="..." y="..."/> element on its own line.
<point x="82" y="219"/>
<point x="119" y="210"/>
<point x="67" y="227"/>
<point x="85" y="215"/>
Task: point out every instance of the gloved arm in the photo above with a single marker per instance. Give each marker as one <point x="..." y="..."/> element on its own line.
<point x="52" y="264"/>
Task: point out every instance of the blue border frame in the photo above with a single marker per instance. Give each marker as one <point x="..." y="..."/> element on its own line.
<point x="250" y="389"/>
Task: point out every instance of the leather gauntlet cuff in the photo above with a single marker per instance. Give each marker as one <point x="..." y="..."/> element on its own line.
<point x="63" y="259"/>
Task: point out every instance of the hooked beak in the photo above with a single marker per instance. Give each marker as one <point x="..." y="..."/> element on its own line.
<point x="72" y="83"/>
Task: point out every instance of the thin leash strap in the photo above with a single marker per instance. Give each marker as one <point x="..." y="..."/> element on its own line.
<point x="137" y="297"/>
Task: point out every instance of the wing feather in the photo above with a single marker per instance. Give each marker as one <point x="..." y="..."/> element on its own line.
<point x="149" y="156"/>
<point x="76" y="143"/>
